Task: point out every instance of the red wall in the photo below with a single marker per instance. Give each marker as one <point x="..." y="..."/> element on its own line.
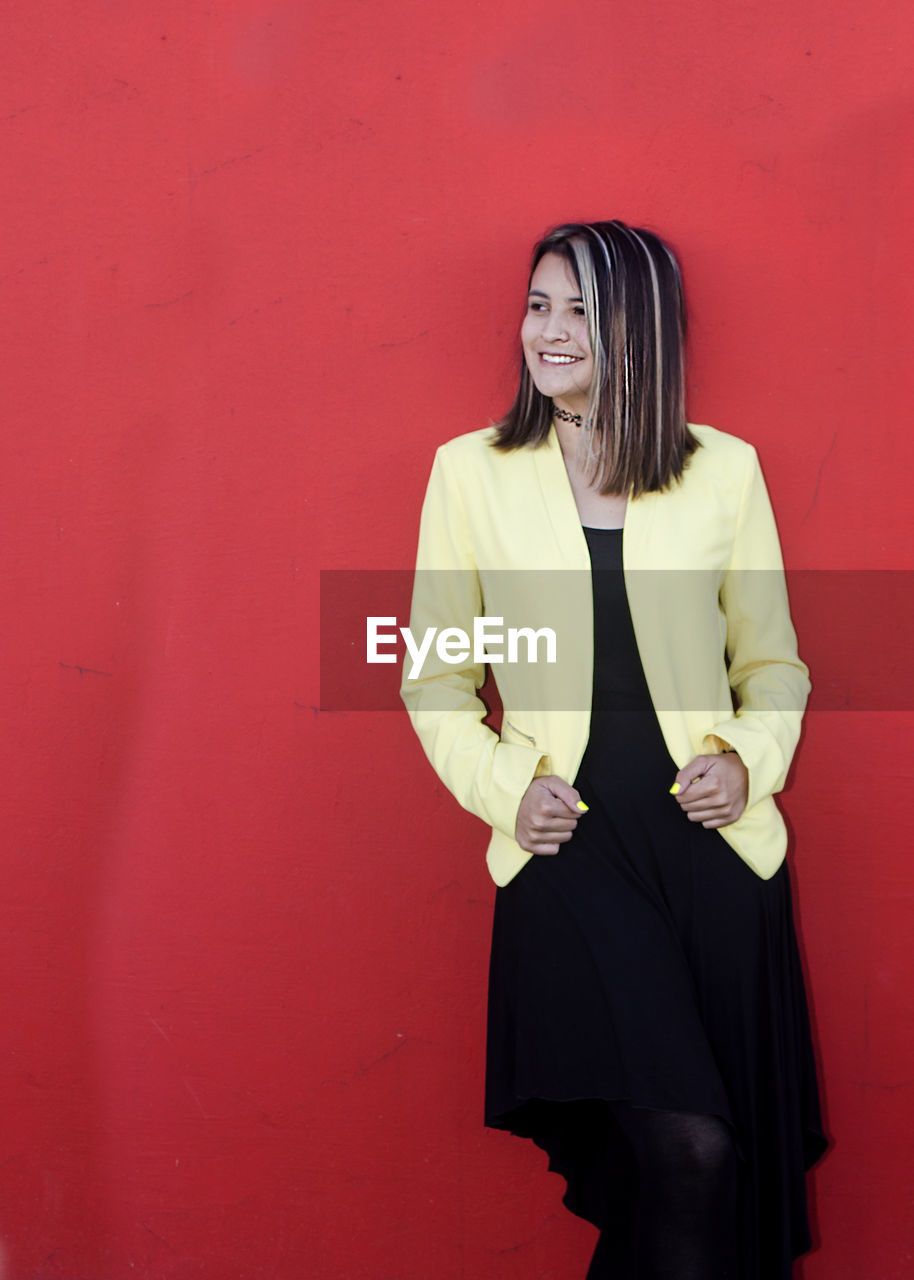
<point x="259" y="260"/>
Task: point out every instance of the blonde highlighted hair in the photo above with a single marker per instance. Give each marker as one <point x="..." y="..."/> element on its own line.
<point x="635" y="430"/>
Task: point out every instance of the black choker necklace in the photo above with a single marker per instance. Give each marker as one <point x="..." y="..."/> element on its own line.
<point x="565" y="416"/>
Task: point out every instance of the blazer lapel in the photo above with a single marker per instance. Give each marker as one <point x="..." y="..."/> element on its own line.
<point x="562" y="512"/>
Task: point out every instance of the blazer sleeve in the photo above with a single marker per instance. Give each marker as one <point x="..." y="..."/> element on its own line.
<point x="487" y="776"/>
<point x="769" y="681"/>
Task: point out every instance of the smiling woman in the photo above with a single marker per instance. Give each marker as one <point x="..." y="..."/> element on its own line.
<point x="648" y="1023"/>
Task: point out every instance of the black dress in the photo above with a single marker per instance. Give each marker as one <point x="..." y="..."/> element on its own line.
<point x="648" y="963"/>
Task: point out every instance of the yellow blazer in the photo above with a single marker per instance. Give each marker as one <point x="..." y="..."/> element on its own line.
<point x="500" y="536"/>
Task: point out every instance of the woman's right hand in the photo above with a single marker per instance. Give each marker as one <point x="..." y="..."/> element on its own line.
<point x="548" y="815"/>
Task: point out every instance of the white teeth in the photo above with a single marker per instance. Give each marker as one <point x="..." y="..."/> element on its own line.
<point x="550" y="359"/>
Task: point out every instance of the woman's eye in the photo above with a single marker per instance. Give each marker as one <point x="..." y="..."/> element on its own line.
<point x="579" y="311"/>
<point x="537" y="306"/>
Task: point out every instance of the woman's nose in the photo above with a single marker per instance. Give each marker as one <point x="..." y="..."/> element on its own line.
<point x="555" y="329"/>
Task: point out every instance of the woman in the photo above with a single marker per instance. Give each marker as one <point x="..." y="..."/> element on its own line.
<point x="648" y="1024"/>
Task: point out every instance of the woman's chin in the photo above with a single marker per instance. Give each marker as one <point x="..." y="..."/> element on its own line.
<point x="565" y="395"/>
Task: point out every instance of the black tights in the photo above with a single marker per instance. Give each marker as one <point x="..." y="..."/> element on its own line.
<point x="685" y="1221"/>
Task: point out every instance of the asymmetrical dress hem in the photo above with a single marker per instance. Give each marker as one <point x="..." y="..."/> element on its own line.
<point x="647" y="963"/>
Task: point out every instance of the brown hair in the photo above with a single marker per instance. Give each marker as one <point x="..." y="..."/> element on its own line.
<point x="635" y="423"/>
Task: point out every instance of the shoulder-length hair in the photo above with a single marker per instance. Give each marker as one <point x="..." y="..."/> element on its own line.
<point x="635" y="429"/>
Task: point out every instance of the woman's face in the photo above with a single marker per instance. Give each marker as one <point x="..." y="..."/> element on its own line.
<point x="554" y="335"/>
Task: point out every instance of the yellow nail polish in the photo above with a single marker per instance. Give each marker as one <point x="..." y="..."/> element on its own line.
<point x="675" y="789"/>
<point x="585" y="808"/>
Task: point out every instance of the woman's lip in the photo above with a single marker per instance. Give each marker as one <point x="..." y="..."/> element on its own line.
<point x="559" y="357"/>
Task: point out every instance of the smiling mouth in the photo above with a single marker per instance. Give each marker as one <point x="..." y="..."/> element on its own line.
<point x="549" y="358"/>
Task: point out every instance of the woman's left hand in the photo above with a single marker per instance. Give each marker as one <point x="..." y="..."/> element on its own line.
<point x="713" y="789"/>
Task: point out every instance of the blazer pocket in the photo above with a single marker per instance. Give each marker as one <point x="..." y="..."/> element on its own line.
<point x="508" y="727"/>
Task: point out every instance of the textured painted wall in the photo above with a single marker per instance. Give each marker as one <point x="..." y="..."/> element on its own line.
<point x="259" y="259"/>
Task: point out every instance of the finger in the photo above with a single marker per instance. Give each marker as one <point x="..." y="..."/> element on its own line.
<point x="538" y="839"/>
<point x="553" y="832"/>
<point x="555" y="811"/>
<point x="561" y="821"/>
<point x="548" y="837"/>
<point x="721" y="814"/>
<point x="549" y="843"/>
<point x="701" y="794"/>
<point x="540" y="828"/>
<point x="688" y="773"/>
<point x="689" y="803"/>
<point x="533" y="843"/>
<point x="567" y="795"/>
